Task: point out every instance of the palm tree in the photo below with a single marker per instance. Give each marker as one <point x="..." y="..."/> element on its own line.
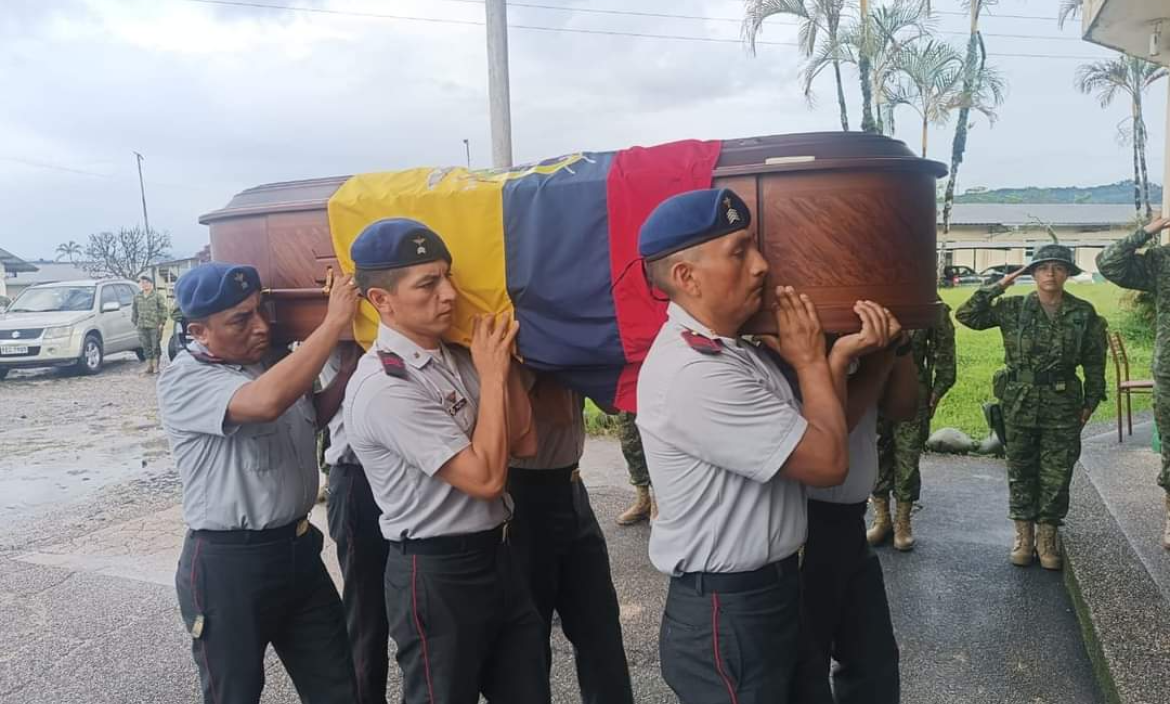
<point x="70" y="250"/>
<point x="819" y="18"/>
<point x="929" y="80"/>
<point x="1131" y="76"/>
<point x="892" y="28"/>
<point x="975" y="71"/>
<point x="863" y="66"/>
<point x="1068" y="10"/>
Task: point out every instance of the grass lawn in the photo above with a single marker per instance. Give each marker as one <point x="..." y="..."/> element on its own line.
<point x="981" y="353"/>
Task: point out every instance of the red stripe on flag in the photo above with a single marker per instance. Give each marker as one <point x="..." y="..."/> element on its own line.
<point x="640" y="179"/>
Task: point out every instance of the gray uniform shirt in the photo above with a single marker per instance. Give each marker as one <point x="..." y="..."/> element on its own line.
<point x="339" y="451"/>
<point x="863" y="465"/>
<point x="716" y="429"/>
<point x="558" y="445"/>
<point x="405" y="429"/>
<point x="235" y="477"/>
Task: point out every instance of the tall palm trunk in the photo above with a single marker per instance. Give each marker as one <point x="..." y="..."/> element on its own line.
<point x="841" y="96"/>
<point x="1137" y="171"/>
<point x="1140" y="142"/>
<point x="959" y="145"/>
<point x="863" y="67"/>
<point x="925" y="125"/>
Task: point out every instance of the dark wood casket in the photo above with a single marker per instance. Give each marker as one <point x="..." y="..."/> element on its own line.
<point x="840" y="216"/>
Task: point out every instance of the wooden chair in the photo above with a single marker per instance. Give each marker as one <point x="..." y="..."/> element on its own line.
<point x="1125" y="386"/>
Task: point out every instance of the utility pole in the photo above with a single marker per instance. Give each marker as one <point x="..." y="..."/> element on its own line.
<point x="498" y="93"/>
<point x="142" y="189"/>
<point x="467" y="146"/>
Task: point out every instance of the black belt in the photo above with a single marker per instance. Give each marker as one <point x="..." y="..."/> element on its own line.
<point x="561" y="475"/>
<point x="268" y="535"/>
<point x="1047" y="378"/>
<point x="765" y="576"/>
<point x="453" y="544"/>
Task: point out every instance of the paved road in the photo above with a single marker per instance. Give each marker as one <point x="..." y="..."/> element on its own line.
<point x="89" y="615"/>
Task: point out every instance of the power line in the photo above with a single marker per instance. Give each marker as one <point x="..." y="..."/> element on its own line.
<point x="731" y="20"/>
<point x="565" y="30"/>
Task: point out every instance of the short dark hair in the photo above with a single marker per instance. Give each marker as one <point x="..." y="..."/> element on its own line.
<point x="386" y="279"/>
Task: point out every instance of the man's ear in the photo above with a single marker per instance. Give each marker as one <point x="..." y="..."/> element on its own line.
<point x="196" y="331"/>
<point x="682" y="277"/>
<point x="380" y="299"/>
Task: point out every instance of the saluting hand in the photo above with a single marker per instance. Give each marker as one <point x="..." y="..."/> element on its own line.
<point x="1010" y="279"/>
<point x="491" y="344"/>
<point x="343" y="302"/>
<point x="801" y="339"/>
<point x="1157" y="226"/>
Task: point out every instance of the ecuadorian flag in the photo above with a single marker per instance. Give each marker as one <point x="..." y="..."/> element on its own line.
<point x="553" y="243"/>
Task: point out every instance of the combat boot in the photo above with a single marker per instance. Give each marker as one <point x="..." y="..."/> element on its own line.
<point x="1048" y="547"/>
<point x="880" y="530"/>
<point x="1025" y="544"/>
<point x="149" y="368"/>
<point x="1166" y="533"/>
<point x="903" y="535"/>
<point x="653" y="507"/>
<point x="639" y="511"/>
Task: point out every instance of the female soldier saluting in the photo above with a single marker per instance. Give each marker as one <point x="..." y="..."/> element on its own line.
<point x="1046" y="336"/>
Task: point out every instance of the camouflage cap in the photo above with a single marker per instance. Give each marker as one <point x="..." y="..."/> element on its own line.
<point x="1054" y="253"/>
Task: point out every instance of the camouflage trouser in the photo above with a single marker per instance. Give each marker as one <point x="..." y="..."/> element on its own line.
<point x="149" y="339"/>
<point x="899" y="450"/>
<point x="1162" y="420"/>
<point x="1040" y="463"/>
<point x="632" y="449"/>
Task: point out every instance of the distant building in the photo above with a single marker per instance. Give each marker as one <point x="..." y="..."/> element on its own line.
<point x="44" y="271"/>
<point x="990" y="234"/>
<point x="165" y="274"/>
<point x="12" y="266"/>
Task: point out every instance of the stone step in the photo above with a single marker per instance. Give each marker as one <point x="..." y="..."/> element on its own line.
<point x="1116" y="570"/>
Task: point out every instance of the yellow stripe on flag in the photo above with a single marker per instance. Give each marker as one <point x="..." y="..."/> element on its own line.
<point x="465" y="208"/>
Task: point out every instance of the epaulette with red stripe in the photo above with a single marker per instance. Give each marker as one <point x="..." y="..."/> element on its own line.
<point x="702" y="344"/>
<point x="392" y="364"/>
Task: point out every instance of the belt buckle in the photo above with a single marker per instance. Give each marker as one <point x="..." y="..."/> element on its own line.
<point x="575" y="476"/>
<point x="302" y="527"/>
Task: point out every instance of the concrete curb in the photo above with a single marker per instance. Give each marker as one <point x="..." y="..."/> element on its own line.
<point x="1122" y="612"/>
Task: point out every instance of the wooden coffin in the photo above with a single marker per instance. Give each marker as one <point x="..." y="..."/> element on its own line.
<point x="839" y="215"/>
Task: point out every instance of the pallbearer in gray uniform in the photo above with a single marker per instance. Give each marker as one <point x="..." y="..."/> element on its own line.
<point x="434" y="425"/>
<point x="729" y="448"/>
<point x="845" y="616"/>
<point x="563" y="549"/>
<point x="242" y="432"/>
<point x="361" y="549"/>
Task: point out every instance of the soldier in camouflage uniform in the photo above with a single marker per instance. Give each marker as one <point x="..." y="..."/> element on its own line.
<point x="1122" y="264"/>
<point x="900" y="444"/>
<point x="644" y="506"/>
<point x="1046" y="336"/>
<point x="149" y="315"/>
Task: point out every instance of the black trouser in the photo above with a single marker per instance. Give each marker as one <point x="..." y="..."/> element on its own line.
<point x="732" y="638"/>
<point x="361" y="551"/>
<point x="844" y="613"/>
<point x="464" y="622"/>
<point x="565" y="559"/>
<point x="240" y="591"/>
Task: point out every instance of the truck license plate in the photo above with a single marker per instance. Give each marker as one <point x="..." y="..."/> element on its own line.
<point x="12" y="349"/>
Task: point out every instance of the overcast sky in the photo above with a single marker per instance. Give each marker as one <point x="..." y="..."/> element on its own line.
<point x="219" y="98"/>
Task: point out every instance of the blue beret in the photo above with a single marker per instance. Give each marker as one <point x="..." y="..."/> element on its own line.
<point x="397" y="242"/>
<point x="214" y="286"/>
<point x="689" y="219"/>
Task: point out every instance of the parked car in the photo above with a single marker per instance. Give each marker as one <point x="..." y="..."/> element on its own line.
<point x="994" y="273"/>
<point x="959" y="276"/>
<point x="69" y="323"/>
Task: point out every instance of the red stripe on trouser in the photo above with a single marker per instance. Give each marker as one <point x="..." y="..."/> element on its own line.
<point x="359" y="663"/>
<point x="199" y="612"/>
<point x="418" y="625"/>
<point x="715" y="647"/>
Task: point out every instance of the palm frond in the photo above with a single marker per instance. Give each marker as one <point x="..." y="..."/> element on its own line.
<point x="1068" y="10"/>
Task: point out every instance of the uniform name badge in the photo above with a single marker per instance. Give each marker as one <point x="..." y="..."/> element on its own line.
<point x="453" y="403"/>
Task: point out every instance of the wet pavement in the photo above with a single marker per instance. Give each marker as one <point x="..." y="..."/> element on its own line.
<point x="68" y="436"/>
